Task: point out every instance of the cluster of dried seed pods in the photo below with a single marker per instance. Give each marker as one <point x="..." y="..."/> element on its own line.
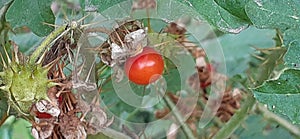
<point x="125" y="40"/>
<point x="66" y="114"/>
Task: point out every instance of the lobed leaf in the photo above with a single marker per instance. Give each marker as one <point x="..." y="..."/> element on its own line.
<point x="217" y="15"/>
<point x="292" y="57"/>
<point x="282" y="95"/>
<point x="31" y="13"/>
<point x="281" y="14"/>
<point x="235" y="7"/>
<point x="15" y="128"/>
<point x="170" y="10"/>
<point x="26" y="45"/>
<point x="284" y="15"/>
<point x="292" y="41"/>
<point x="273" y="60"/>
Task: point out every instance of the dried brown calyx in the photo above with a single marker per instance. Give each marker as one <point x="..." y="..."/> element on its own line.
<point x="73" y="121"/>
<point x="125" y="40"/>
<point x="43" y="128"/>
<point x="71" y="126"/>
<point x="230" y="104"/>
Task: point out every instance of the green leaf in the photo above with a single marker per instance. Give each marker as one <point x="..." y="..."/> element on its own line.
<point x="235" y="7"/>
<point x="102" y="5"/>
<point x="6" y="128"/>
<point x="292" y="57"/>
<point x="15" y="128"/>
<point x="168" y="9"/>
<point x="26" y="45"/>
<point x="290" y="36"/>
<point x="31" y="13"/>
<point x="281" y="14"/>
<point x="217" y="16"/>
<point x="272" y="60"/>
<point x="282" y="95"/>
<point x="172" y="77"/>
<point x="21" y="130"/>
<point x="292" y="41"/>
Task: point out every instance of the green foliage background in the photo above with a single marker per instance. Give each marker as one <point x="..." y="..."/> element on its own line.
<point x="246" y="24"/>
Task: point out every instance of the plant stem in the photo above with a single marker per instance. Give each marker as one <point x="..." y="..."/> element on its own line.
<point x="49" y="39"/>
<point x="187" y="131"/>
<point x="273" y="117"/>
<point x="236" y="119"/>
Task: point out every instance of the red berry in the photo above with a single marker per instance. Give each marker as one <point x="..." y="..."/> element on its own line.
<point x="145" y="67"/>
<point x="43" y="115"/>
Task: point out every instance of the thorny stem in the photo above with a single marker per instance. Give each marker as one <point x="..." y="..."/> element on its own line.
<point x="49" y="39"/>
<point x="187" y="131"/>
<point x="236" y="119"/>
<point x="273" y="117"/>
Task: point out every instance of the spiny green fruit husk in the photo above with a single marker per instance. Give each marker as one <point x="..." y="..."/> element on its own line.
<point x="24" y="84"/>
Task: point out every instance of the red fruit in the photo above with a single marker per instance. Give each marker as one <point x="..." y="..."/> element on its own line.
<point x="145" y="67"/>
<point x="43" y="115"/>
